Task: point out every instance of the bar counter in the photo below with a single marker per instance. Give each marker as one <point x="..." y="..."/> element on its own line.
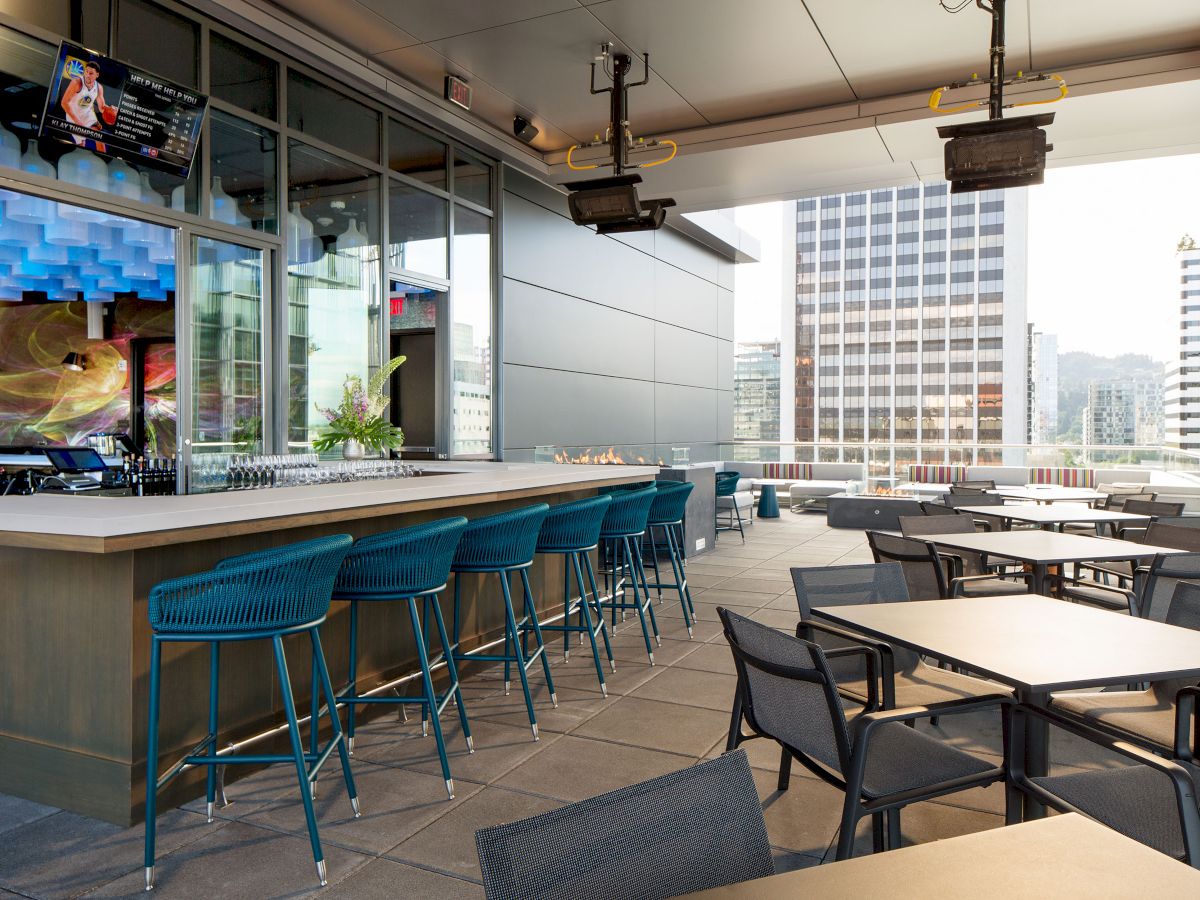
<point x="76" y="572"/>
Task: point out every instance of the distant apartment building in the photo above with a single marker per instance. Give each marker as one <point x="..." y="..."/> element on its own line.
<point x="1042" y="403"/>
<point x="1124" y="412"/>
<point x="1181" y="406"/>
<point x="909" y="323"/>
<point x="756" y="391"/>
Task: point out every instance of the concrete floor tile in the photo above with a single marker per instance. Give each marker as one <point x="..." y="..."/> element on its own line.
<point x="709" y="690"/>
<point x="783" y="619"/>
<point x="15" y="812"/>
<point x="65" y="854"/>
<point x="576" y="768"/>
<point x="396" y="803"/>
<point x="753" y="585"/>
<point x="240" y="860"/>
<point x="383" y="879"/>
<point x="686" y="730"/>
<point x="449" y="843"/>
<point x="253" y="793"/>
<point x="710" y="658"/>
<point x="705" y="579"/>
<point x="486" y="701"/>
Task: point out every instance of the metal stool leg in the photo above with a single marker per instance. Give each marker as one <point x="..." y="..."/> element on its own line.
<point x="431" y="701"/>
<point x="452" y="668"/>
<point x="314" y="719"/>
<point x="572" y="560"/>
<point x="335" y="721"/>
<point x="627" y="552"/>
<point x="566" y="609"/>
<point x="152" y="759"/>
<point x="352" y="674"/>
<point x="685" y="601"/>
<point x="289" y="708"/>
<point x="640" y="571"/>
<point x="591" y="573"/>
<point x="654" y="561"/>
<point x="510" y="620"/>
<point x="532" y="616"/>
<point x="214" y="691"/>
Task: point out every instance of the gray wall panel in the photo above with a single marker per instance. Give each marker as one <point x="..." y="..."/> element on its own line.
<point x="551" y="330"/>
<point x="684" y="415"/>
<point x="683" y="299"/>
<point x="724" y="351"/>
<point x="686" y="254"/>
<point x="725" y="314"/>
<point x="549" y="406"/>
<point x="537" y="191"/>
<point x="546" y="249"/>
<point x="684" y="357"/>
<point x="725" y="416"/>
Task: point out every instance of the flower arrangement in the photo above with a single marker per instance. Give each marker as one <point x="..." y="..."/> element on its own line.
<point x="359" y="416"/>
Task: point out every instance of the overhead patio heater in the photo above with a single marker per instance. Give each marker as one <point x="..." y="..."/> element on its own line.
<point x="611" y="204"/>
<point x="998" y="152"/>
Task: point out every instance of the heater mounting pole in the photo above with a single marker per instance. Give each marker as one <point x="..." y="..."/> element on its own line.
<point x="996" y="56"/>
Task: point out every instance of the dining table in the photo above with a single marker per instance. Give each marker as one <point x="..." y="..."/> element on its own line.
<point x="1053" y="516"/>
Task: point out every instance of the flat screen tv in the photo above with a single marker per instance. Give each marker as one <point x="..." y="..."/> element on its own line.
<point x="100" y="104"/>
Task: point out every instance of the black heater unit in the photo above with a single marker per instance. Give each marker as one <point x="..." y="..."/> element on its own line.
<point x="997" y="153"/>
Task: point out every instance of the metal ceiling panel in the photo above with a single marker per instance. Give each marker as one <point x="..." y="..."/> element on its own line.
<point x="731" y="61"/>
<point x="352" y="23"/>
<point x="896" y="46"/>
<point x="431" y="20"/>
<point x="1069" y="32"/>
<point x="543" y="64"/>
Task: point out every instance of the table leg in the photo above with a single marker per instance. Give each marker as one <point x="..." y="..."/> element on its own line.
<point x="1039" y="578"/>
<point x="1037" y="751"/>
<point x="768" y="502"/>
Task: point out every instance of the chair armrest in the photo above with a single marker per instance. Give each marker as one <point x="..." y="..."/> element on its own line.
<point x="1135" y="533"/>
<point x="1065" y="583"/>
<point x="869" y="721"/>
<point x="871" y="656"/>
<point x="1187" y="726"/>
<point x="887" y="663"/>
<point x="957" y="583"/>
<point x="956" y="563"/>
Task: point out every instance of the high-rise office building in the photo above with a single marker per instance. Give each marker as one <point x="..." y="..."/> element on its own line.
<point x="756" y="391"/>
<point x="1042" y="403"/>
<point x="909" y="322"/>
<point x="1182" y="388"/>
<point x="1124" y="412"/>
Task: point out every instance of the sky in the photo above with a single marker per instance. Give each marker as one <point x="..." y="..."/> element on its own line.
<point x="1102" y="269"/>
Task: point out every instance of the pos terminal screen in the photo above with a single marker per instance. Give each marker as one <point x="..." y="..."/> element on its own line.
<point x="75" y="459"/>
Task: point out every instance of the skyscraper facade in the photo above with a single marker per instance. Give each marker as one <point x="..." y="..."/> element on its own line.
<point x="1182" y="400"/>
<point x="909" y="323"/>
<point x="1124" y="412"/>
<point x="1043" y="387"/>
<point x="756" y="391"/>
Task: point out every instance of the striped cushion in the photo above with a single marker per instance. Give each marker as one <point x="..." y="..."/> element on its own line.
<point x="1078" y="478"/>
<point x="788" y="471"/>
<point x="937" y="474"/>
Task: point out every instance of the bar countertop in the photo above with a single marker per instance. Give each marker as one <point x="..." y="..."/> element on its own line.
<point x="107" y="524"/>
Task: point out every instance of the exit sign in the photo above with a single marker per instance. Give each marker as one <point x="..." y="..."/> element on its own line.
<point x="458" y="92"/>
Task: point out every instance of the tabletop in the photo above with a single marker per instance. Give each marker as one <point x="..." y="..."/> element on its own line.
<point x="1046" y="547"/>
<point x="1046" y="493"/>
<point x="1029" y="641"/>
<point x="1067" y="857"/>
<point x="1054" y="513"/>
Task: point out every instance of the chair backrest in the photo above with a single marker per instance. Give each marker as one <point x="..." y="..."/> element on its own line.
<point x="573" y="525"/>
<point x="822" y="586"/>
<point x="670" y="502"/>
<point x="1177" y="537"/>
<point x="727" y="483"/>
<point x="919" y="526"/>
<point x="923" y="572"/>
<point x="1183" y="612"/>
<point x="1152" y="507"/>
<point x="628" y="512"/>
<point x="936" y="509"/>
<point x="698" y="828"/>
<point x="1167" y="571"/>
<point x="400" y="563"/>
<point x="263" y="591"/>
<point x="801" y="709"/>
<point x="980" y="484"/>
<point x="500" y="540"/>
<point x="1118" y="494"/>
<point x="958" y="499"/>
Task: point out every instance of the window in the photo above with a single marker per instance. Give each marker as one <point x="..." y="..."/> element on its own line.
<point x="157" y="40"/>
<point x="415" y="154"/>
<point x="418" y="229"/>
<point x="241" y="76"/>
<point x="244" y="190"/>
<point x="472" y="180"/>
<point x="332" y="117"/>
<point x="471" y="303"/>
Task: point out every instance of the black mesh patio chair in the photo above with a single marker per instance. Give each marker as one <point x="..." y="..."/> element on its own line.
<point x="1118" y="494"/>
<point x="1152" y="802"/>
<point x="691" y="830"/>
<point x="1154" y="586"/>
<point x="963" y="562"/>
<point x="930" y="508"/>
<point x="1158" y="534"/>
<point x="1160" y="718"/>
<point x="927" y="575"/>
<point x="979" y="484"/>
<point x="983" y="521"/>
<point x="905" y="679"/>
<point x="1152" y="508"/>
<point x="787" y="693"/>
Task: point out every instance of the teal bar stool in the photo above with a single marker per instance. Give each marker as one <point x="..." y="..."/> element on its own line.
<point x="259" y="596"/>
<point x="666" y="514"/>
<point x="409" y="564"/>
<point x="621" y="534"/>
<point x="503" y="544"/>
<point x="572" y="530"/>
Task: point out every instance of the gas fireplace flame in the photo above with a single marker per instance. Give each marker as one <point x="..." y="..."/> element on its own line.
<point x="605" y="457"/>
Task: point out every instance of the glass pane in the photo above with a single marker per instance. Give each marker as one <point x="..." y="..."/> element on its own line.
<point x="25" y="69"/>
<point x="158" y="41"/>
<point x="471" y="296"/>
<point x="334" y="288"/>
<point x="416" y="155"/>
<point x="72" y="286"/>
<point x="472" y="180"/>
<point x="242" y="76"/>
<point x="332" y="117"/>
<point x="243" y="174"/>
<point x="227" y="341"/>
<point x="417" y="230"/>
<point x="77" y="20"/>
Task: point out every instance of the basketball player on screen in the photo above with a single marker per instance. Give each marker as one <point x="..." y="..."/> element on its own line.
<point x="83" y="99"/>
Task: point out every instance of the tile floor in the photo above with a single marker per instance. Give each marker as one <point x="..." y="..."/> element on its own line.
<point x="411" y="841"/>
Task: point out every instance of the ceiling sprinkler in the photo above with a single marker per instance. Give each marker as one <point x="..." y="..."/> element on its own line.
<point x="611" y="204"/>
